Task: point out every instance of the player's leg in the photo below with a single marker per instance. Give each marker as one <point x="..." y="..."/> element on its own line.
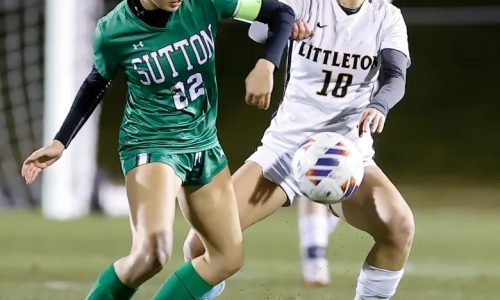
<point x="257" y="198"/>
<point x="152" y="189"/>
<point x="212" y="211"/>
<point x="315" y="225"/>
<point x="379" y="209"/>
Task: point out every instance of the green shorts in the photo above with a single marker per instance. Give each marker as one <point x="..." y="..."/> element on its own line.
<point x="193" y="169"/>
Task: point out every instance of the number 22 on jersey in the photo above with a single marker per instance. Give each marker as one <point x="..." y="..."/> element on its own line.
<point x="196" y="89"/>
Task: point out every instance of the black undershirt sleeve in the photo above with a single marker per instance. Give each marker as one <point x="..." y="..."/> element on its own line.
<point x="392" y="85"/>
<point x="280" y="18"/>
<point x="88" y="97"/>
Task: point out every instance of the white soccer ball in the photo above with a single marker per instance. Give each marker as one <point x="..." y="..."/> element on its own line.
<point x="328" y="168"/>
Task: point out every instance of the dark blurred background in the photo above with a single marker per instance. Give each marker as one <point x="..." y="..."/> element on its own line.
<point x="445" y="129"/>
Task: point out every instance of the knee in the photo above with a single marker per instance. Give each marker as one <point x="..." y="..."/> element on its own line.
<point x="229" y="263"/>
<point x="154" y="252"/>
<point x="235" y="262"/>
<point x="404" y="229"/>
<point x="192" y="246"/>
<point x="401" y="228"/>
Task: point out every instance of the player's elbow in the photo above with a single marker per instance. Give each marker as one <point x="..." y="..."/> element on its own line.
<point x="281" y="14"/>
<point x="288" y="12"/>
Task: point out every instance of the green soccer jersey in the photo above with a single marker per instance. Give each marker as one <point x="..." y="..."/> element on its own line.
<point x="172" y="89"/>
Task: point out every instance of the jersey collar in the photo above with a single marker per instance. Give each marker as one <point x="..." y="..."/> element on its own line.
<point x="341" y="14"/>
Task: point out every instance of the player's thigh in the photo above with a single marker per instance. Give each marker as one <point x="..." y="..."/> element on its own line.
<point x="257" y="196"/>
<point x="152" y="189"/>
<point x="377" y="207"/>
<point x="212" y="211"/>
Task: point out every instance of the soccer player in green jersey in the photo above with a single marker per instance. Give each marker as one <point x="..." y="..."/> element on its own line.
<point x="168" y="139"/>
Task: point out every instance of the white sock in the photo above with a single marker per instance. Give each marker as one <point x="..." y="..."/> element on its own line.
<point x="375" y="283"/>
<point x="332" y="222"/>
<point x="316" y="270"/>
<point x="314" y="231"/>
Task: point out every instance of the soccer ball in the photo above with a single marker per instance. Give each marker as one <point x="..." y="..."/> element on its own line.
<point x="328" y="168"/>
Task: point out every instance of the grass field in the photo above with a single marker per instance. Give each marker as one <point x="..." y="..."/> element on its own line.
<point x="456" y="253"/>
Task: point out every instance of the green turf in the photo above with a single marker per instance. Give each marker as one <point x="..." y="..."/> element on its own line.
<point x="456" y="253"/>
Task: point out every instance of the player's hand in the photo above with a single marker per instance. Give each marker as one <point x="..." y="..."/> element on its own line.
<point x="259" y="84"/>
<point x="301" y="31"/>
<point x="372" y="120"/>
<point x="41" y="159"/>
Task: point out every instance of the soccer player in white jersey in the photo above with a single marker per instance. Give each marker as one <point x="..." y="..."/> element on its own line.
<point x="331" y="88"/>
<point x="316" y="223"/>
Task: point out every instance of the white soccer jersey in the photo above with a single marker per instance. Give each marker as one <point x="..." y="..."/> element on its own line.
<point x="332" y="75"/>
<point x="332" y="78"/>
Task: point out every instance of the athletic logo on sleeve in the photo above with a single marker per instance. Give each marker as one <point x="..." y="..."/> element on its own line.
<point x="321" y="26"/>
